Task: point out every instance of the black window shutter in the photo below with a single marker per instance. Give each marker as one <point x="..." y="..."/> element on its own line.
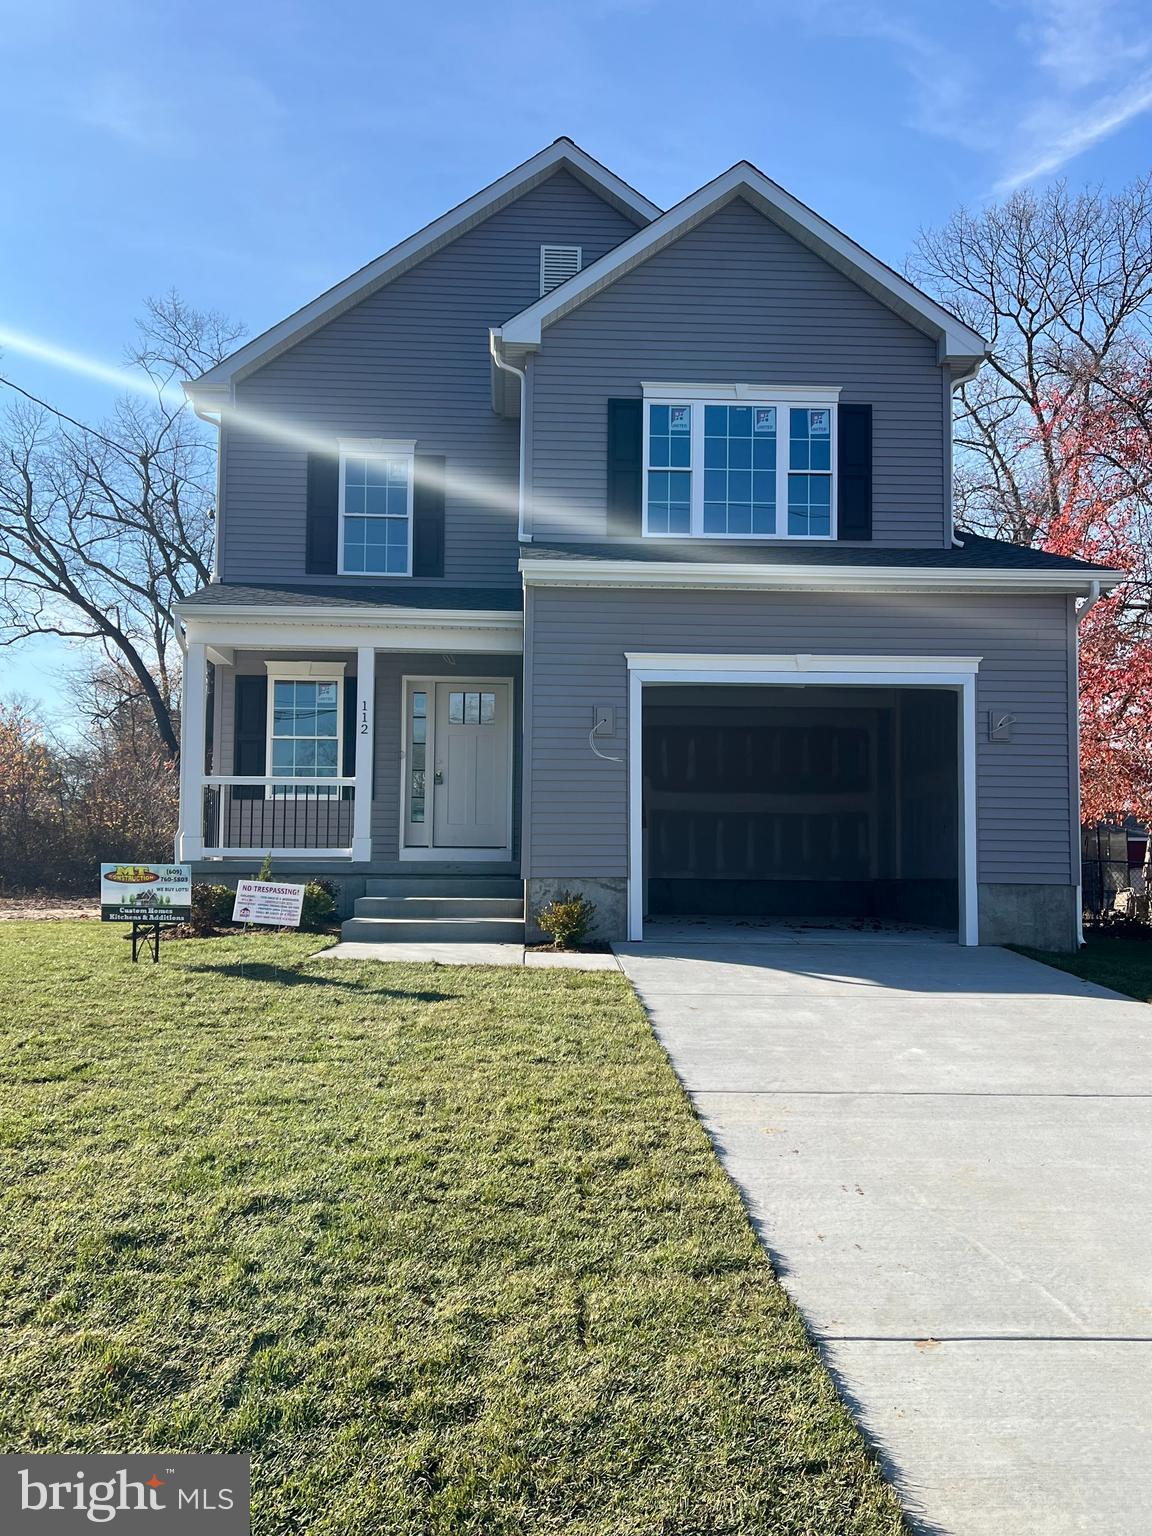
<point x="854" y="472"/>
<point x="323" y="514"/>
<point x="250" y="734"/>
<point x="428" y="515"/>
<point x="625" y="467"/>
<point x="349" y="731"/>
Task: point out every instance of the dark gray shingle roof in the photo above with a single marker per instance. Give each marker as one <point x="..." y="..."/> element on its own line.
<point x="347" y="595"/>
<point x="974" y="554"/>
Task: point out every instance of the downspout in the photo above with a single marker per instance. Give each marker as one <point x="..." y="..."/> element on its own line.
<point x="1094" y="596"/>
<point x="523" y="536"/>
<point x="215" y="419"/>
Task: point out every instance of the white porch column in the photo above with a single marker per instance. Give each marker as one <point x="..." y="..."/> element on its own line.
<point x="365" y="728"/>
<point x="193" y="740"/>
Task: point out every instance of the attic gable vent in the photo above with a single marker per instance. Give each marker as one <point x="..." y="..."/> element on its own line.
<point x="557" y="264"/>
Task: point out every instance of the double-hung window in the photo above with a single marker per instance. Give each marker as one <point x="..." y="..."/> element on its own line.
<point x="739" y="462"/>
<point x="376" y="494"/>
<point x="304" y="726"/>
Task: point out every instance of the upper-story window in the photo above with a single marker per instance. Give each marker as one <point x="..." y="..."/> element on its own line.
<point x="376" y="490"/>
<point x="739" y="462"/>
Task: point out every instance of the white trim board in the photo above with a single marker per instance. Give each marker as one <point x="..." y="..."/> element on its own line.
<point x="955" y="673"/>
<point x="721" y="394"/>
<point x="326" y="629"/>
<point x="215" y="386"/>
<point x="801" y="578"/>
<point x="956" y="342"/>
<point x="800" y="662"/>
<point x="325" y="671"/>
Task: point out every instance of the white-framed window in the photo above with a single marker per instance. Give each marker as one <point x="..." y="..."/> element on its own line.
<point x="739" y="462"/>
<point x="305" y="725"/>
<point x="377" y="486"/>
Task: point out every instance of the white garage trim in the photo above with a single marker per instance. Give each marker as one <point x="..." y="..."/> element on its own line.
<point x="954" y="672"/>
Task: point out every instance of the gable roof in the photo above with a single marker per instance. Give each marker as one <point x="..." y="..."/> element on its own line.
<point x="215" y="386"/>
<point x="956" y="342"/>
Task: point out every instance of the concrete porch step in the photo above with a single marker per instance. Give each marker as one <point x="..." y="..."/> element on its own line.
<point x="507" y="887"/>
<point x="418" y="930"/>
<point x="437" y="906"/>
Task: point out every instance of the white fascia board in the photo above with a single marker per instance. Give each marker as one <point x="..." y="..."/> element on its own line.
<point x="446" y="618"/>
<point x="561" y="155"/>
<point x="797" y="578"/>
<point x="955" y="339"/>
<point x="303" y="629"/>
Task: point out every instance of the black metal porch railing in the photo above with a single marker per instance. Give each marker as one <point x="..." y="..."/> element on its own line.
<point x="243" y="813"/>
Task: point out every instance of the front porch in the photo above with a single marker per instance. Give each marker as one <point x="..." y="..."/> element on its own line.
<point x="351" y="746"/>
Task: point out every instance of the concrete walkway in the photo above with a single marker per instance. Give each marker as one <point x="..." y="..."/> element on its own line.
<point x="948" y="1154"/>
<point x="425" y="952"/>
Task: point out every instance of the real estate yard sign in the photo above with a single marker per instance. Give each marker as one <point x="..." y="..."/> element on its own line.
<point x="145" y="893"/>
<point x="260" y="901"/>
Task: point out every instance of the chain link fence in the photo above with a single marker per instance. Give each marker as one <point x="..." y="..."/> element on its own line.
<point x="1112" y="865"/>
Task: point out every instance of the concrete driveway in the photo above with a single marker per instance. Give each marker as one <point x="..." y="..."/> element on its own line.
<point x="948" y="1154"/>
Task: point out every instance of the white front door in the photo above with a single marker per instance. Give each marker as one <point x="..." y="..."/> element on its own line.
<point x="471" y="765"/>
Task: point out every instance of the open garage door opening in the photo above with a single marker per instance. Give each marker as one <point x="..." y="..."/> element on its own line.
<point x="807" y="803"/>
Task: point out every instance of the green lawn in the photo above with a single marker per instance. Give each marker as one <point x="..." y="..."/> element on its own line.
<point x="1125" y="965"/>
<point x="444" y="1250"/>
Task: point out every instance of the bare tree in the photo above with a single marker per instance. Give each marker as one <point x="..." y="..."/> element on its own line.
<point x="1061" y="285"/>
<point x="103" y="529"/>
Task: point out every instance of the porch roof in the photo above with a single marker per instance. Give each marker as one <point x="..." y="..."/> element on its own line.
<point x="373" y="597"/>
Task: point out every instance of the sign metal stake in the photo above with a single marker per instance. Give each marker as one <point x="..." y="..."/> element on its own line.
<point x="146" y="936"/>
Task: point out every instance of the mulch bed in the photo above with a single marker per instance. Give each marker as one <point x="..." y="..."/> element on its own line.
<point x="46" y="908"/>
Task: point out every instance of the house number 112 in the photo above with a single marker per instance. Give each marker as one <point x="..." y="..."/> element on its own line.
<point x="363" y="717"/>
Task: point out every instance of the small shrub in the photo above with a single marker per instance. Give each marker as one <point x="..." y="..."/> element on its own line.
<point x="567" y="919"/>
<point x="265" y="870"/>
<point x="319" y="905"/>
<point x="211" y="909"/>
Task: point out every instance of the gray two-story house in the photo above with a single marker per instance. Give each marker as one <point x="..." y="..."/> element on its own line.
<point x="577" y="545"/>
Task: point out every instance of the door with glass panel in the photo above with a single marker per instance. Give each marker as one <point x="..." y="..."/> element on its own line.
<point x="459" y="764"/>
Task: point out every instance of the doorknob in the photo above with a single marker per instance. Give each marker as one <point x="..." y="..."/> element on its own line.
<point x="438" y="776"/>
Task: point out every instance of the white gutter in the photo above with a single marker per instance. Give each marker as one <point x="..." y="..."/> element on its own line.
<point x="494" y="348"/>
<point x="636" y="574"/>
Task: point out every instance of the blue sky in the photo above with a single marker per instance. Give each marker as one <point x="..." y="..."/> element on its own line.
<point x="250" y="155"/>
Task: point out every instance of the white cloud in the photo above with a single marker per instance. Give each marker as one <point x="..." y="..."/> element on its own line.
<point x="1093" y="60"/>
<point x="1084" y="43"/>
<point x="1087" y="72"/>
<point x="1053" y="137"/>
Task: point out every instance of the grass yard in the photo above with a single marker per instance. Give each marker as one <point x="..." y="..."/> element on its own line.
<point x="1125" y="965"/>
<point x="444" y="1250"/>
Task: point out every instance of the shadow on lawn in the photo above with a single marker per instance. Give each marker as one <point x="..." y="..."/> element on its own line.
<point x="285" y="976"/>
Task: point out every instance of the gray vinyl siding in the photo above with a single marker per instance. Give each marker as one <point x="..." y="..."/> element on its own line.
<point x="391" y="668"/>
<point x="576" y="805"/>
<point x="410" y="361"/>
<point x="737" y="300"/>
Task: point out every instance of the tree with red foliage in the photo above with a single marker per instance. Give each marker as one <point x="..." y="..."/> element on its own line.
<point x="1103" y="449"/>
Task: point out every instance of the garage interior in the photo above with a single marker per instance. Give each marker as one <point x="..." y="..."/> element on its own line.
<point x="811" y="802"/>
